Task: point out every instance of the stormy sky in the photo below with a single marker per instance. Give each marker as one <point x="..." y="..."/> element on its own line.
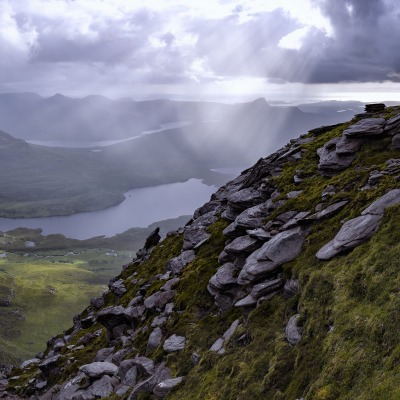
<point x="278" y="49"/>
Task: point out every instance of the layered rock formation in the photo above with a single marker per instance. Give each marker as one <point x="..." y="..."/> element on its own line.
<point x="254" y="297"/>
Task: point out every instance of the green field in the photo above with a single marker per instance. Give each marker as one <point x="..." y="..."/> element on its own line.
<point x="55" y="280"/>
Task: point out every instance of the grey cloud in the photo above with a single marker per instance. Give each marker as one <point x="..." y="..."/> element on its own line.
<point x="232" y="48"/>
<point x="111" y="43"/>
<point x="363" y="49"/>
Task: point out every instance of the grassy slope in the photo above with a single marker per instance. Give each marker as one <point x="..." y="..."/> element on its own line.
<point x="349" y="306"/>
<point x="53" y="287"/>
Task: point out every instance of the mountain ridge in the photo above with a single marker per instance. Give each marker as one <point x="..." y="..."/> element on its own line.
<point x="243" y="302"/>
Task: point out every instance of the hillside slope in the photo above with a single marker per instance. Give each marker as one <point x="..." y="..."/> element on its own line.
<point x="284" y="286"/>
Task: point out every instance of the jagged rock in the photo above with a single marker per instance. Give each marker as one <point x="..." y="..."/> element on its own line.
<point x="161" y="374"/>
<point x="260" y="234"/>
<point x="365" y="127"/>
<point x="293" y="332"/>
<point x="97" y="369"/>
<point x="118" y="288"/>
<point x="211" y="206"/>
<point x="49" y="364"/>
<point x="170" y="284"/>
<point x="217" y="346"/>
<point x="97" y="302"/>
<point x="243" y="244"/>
<point x="154" y="339"/>
<point x="286" y="216"/>
<point x="248" y="301"/>
<point x="169" y="309"/>
<point x="392" y="123"/>
<point x="101" y="388"/>
<point x="225" y="257"/>
<point x="151" y="301"/>
<point x="164" y="298"/>
<point x="357" y="230"/>
<point x="103" y="354"/>
<point x="231" y="330"/>
<point x="252" y="217"/>
<point x="88" y="322"/>
<point x="174" y="343"/>
<point x="225" y="277"/>
<point x="294" y="194"/>
<point x="374" y="107"/>
<point x="245" y="198"/>
<point x="116" y="319"/>
<point x="124" y="367"/>
<point x="163" y="388"/>
<point x="291" y="287"/>
<point x="158" y="321"/>
<point x="122" y="390"/>
<point x="378" y="206"/>
<point x="299" y="218"/>
<point x="152" y="239"/>
<point x="40" y="385"/>
<point x="330" y="163"/>
<point x="197" y="232"/>
<point x="128" y="372"/>
<point x="175" y="265"/>
<point x="353" y="233"/>
<point x="283" y="247"/>
<point x="329" y="191"/>
<point x="331" y="210"/>
<point x="29" y="363"/>
<point x="145" y="365"/>
<point x="69" y="391"/>
<point x="266" y="287"/>
<point x="346" y="146"/>
<point x="225" y="300"/>
<point x="135" y="312"/>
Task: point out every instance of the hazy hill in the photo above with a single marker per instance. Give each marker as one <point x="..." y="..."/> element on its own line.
<point x="42" y="181"/>
<point x="29" y="116"/>
<point x="283" y="286"/>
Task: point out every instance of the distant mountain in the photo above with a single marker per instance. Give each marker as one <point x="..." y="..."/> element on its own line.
<point x="29" y="116"/>
<point x="41" y="181"/>
<point x="32" y="117"/>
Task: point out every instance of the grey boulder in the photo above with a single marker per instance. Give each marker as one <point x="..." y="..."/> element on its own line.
<point x="154" y="339"/>
<point x="242" y="244"/>
<point x="101" y="388"/>
<point x="174" y="343"/>
<point x="292" y="331"/>
<point x="176" y="264"/>
<point x="98" y="369"/>
<point x="330" y="162"/>
<point x="365" y="127"/>
<point x="357" y="230"/>
<point x="282" y="248"/>
<point x="163" y="388"/>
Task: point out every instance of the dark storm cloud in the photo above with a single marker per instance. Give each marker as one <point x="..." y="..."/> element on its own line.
<point x="364" y="46"/>
<point x="176" y="46"/>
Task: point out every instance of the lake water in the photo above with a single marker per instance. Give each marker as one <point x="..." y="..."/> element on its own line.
<point x="141" y="208"/>
<point x="103" y="143"/>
